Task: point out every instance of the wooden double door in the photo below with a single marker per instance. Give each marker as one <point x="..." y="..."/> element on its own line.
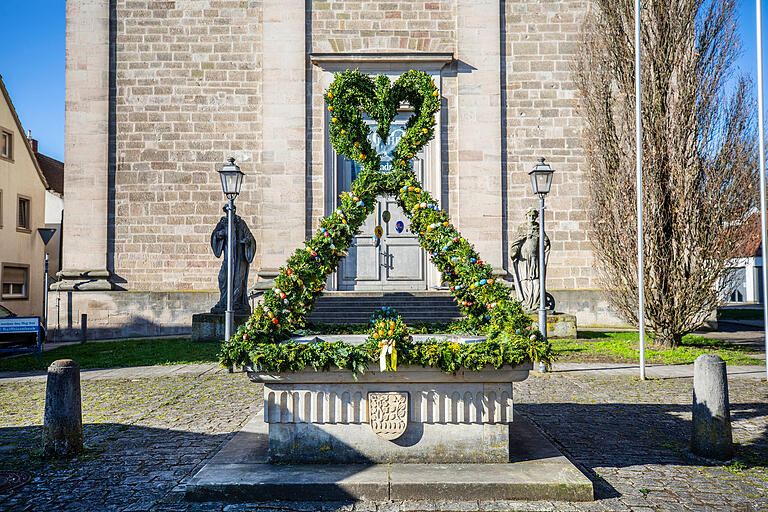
<point x="394" y="260"/>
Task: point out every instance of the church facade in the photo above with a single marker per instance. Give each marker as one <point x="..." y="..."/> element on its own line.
<point x="160" y="93"/>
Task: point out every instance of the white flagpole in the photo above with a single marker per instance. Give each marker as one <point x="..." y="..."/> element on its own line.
<point x="761" y="131"/>
<point x="639" y="168"/>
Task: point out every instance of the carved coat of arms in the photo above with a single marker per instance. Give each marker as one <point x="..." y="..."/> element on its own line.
<point x="388" y="414"/>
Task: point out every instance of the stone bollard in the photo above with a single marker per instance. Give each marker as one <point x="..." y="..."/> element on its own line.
<point x="711" y="434"/>
<point x="63" y="423"/>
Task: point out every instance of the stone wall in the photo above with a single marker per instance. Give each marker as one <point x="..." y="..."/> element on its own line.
<point x="542" y="121"/>
<point x="188" y="95"/>
<point x="124" y="314"/>
<point x="354" y="26"/>
<point x="197" y="81"/>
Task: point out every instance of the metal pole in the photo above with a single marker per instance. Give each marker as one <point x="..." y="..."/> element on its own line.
<point x="229" y="315"/>
<point x="761" y="129"/>
<point x="45" y="297"/>
<point x="639" y="169"/>
<point x="542" y="272"/>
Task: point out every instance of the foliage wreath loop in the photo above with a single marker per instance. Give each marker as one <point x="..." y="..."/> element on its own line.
<point x="484" y="300"/>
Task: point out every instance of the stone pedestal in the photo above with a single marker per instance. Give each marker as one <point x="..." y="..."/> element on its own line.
<point x="559" y="325"/>
<point x="210" y="326"/>
<point x="331" y="417"/>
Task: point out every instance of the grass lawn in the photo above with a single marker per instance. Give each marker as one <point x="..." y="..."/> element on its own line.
<point x="622" y="347"/>
<point x="111" y="354"/>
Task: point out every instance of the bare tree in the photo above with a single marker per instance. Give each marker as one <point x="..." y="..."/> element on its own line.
<point x="699" y="154"/>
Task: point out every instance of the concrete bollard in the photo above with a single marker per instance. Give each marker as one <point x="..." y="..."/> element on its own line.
<point x="711" y="433"/>
<point x="63" y="422"/>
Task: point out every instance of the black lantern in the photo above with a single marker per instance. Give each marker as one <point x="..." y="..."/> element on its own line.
<point x="541" y="178"/>
<point x="231" y="179"/>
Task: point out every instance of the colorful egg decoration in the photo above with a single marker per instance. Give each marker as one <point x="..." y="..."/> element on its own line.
<point x="399" y="226"/>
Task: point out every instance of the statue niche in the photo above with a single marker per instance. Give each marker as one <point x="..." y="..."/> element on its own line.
<point x="244" y="249"/>
<point x="524" y="252"/>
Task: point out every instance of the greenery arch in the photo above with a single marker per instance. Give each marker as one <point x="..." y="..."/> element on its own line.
<point x="484" y="300"/>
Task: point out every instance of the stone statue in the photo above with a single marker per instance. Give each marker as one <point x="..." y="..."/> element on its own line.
<point x="244" y="249"/>
<point x="525" y="250"/>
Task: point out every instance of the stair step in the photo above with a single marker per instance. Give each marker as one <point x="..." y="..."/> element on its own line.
<point x="357" y="307"/>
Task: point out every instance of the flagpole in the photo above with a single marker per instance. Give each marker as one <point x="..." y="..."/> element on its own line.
<point x="639" y="169"/>
<point x="761" y="131"/>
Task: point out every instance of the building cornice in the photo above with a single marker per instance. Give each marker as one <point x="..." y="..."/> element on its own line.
<point x="382" y="58"/>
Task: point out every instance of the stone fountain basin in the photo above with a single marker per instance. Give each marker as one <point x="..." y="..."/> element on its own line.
<point x="326" y="416"/>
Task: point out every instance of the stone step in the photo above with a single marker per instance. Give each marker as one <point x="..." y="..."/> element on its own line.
<point x="241" y="472"/>
<point x="347" y="307"/>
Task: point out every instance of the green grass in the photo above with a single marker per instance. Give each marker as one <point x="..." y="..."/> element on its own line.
<point x="112" y="354"/>
<point x="623" y="347"/>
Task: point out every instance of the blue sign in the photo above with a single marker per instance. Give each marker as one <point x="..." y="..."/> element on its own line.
<point x="19" y="324"/>
<point x="399" y="226"/>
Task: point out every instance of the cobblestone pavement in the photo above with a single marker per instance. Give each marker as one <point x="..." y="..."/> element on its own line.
<point x="145" y="435"/>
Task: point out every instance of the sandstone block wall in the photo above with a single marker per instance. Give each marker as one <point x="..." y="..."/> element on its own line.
<point x="123" y="314"/>
<point x="188" y="95"/>
<point x="542" y="120"/>
<point x="353" y="26"/>
<point x="190" y="92"/>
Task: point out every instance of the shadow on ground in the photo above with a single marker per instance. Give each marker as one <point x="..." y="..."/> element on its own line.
<point x="138" y="465"/>
<point x="623" y="435"/>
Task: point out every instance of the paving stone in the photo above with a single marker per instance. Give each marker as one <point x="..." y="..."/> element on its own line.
<point x="144" y="436"/>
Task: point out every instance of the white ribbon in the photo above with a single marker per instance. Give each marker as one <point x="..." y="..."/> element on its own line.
<point x="386" y="348"/>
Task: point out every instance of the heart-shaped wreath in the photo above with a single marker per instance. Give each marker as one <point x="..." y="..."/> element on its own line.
<point x="484" y="300"/>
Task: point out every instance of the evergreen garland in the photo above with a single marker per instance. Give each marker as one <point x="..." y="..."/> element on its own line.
<point x="486" y="302"/>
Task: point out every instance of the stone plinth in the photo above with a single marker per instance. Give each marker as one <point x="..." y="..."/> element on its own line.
<point x="210" y="326"/>
<point x="327" y="416"/>
<point x="241" y="472"/>
<point x="559" y="325"/>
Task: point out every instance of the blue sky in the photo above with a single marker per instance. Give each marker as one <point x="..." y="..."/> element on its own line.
<point x="32" y="63"/>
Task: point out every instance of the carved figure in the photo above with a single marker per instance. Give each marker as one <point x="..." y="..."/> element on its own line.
<point x="525" y="251"/>
<point x="244" y="247"/>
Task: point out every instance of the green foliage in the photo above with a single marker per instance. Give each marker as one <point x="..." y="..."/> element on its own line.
<point x="391" y="334"/>
<point x="486" y="302"/>
<point x="448" y="356"/>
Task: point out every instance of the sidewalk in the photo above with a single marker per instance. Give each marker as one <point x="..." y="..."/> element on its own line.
<point x="652" y="371"/>
<point x="135" y="372"/>
<point x="595" y="370"/>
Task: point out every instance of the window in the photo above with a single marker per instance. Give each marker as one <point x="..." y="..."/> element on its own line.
<point x="6" y="144"/>
<point x="15" y="282"/>
<point x="23" y="217"/>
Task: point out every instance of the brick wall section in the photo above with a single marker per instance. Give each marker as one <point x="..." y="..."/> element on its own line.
<point x="188" y="96"/>
<point x="542" y="120"/>
<point x="349" y="26"/>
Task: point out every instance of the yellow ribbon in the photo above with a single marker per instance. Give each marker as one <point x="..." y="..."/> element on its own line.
<point x="387" y="347"/>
